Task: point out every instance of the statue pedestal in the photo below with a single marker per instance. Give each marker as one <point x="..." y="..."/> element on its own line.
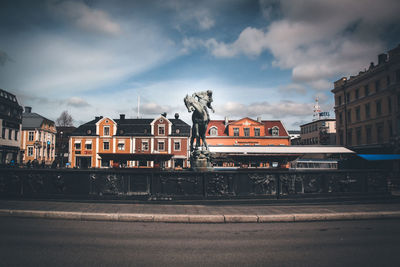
<point x="200" y="160"/>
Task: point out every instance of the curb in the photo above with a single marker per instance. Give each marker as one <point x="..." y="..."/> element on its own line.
<point x="196" y="218"/>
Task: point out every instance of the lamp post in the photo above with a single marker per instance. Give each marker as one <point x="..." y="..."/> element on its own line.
<point x="62" y="149"/>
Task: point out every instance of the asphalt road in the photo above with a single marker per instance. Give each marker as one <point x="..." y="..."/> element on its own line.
<point x="36" y="242"/>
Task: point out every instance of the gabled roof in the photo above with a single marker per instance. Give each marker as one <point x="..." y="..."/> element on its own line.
<point x="33" y="120"/>
<point x="133" y="127"/>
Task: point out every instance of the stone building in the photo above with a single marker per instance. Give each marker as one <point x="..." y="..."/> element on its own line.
<point x="133" y="143"/>
<point x="38" y="138"/>
<point x="319" y="132"/>
<point x="10" y="128"/>
<point x="367" y="107"/>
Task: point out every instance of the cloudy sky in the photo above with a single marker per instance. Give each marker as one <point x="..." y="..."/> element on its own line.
<point x="267" y="58"/>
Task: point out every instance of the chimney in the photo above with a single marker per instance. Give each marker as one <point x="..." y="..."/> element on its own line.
<point x="122" y="116"/>
<point x="226" y="121"/>
<point x="97" y="118"/>
<point x="28" y="109"/>
<point x="259" y="119"/>
<point x="176" y="115"/>
<point x="382" y="58"/>
<point x="164" y="114"/>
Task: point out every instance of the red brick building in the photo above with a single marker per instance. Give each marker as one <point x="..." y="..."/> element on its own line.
<point x="144" y="143"/>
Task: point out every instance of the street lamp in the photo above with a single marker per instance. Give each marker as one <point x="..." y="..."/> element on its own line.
<point x="62" y="149"/>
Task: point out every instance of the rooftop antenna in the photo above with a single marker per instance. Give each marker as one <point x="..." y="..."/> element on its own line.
<point x="317" y="110"/>
<point x="138" y="106"/>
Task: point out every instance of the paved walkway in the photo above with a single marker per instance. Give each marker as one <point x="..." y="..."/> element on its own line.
<point x="197" y="213"/>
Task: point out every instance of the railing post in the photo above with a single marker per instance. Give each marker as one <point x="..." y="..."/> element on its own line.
<point x="204" y="185"/>
<point x="278" y="185"/>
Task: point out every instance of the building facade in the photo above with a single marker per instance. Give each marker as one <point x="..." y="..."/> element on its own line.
<point x="319" y="132"/>
<point x="38" y="138"/>
<point x="10" y="128"/>
<point x="246" y="131"/>
<point x="144" y="143"/>
<point x="367" y="107"/>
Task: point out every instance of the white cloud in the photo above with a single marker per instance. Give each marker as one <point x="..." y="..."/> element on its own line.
<point x="77" y="102"/>
<point x="84" y="17"/>
<point x="317" y="40"/>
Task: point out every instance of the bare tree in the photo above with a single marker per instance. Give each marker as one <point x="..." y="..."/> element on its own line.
<point x="65" y="119"/>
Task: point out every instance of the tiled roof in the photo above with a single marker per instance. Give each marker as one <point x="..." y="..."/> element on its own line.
<point x="268" y="124"/>
<point x="133" y="127"/>
<point x="33" y="120"/>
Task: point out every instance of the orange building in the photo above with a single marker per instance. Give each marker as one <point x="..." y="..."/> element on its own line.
<point x="246" y="131"/>
<point x="105" y="142"/>
<point x="38" y="138"/>
<point x="223" y="136"/>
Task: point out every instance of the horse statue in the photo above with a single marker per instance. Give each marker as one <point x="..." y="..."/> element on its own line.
<point x="200" y="117"/>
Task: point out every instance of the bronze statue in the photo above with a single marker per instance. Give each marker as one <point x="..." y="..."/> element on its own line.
<point x="199" y="103"/>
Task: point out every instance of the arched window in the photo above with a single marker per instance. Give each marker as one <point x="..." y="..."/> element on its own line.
<point x="213" y="131"/>
<point x="275" y="131"/>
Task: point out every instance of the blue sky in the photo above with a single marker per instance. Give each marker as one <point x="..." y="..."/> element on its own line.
<point x="267" y="58"/>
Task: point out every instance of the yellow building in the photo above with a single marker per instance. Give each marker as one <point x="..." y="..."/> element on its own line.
<point x="38" y="138"/>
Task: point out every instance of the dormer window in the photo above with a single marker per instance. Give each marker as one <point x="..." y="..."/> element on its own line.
<point x="275" y="131"/>
<point x="107" y="130"/>
<point x="213" y="131"/>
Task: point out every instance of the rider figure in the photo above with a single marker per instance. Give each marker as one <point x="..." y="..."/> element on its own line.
<point x="205" y="98"/>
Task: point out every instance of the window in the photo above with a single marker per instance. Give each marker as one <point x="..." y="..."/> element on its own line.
<point x="347" y="97"/>
<point x="367" y="111"/>
<point x="88" y="146"/>
<point x="340" y="118"/>
<point x="358" y="135"/>
<point x="379" y="132"/>
<point x="349" y="137"/>
<point x="341" y="137"/>
<point x="235" y="131"/>
<point x="30" y="136"/>
<point x="161" y="146"/>
<point x="349" y="116"/>
<point x="121" y="146"/>
<point x="368" y="134"/>
<point x="377" y="85"/>
<point x="398" y="75"/>
<point x="177" y="145"/>
<point x="145" y="145"/>
<point x="378" y="108"/>
<point x="107" y="130"/>
<point x="105" y="163"/>
<point x="16" y="135"/>
<point x="389" y="100"/>
<point x="30" y="151"/>
<point x="275" y="131"/>
<point x="213" y="131"/>
<point x="390" y="128"/>
<point x="9" y="134"/>
<point x="256" y="131"/>
<point x="106" y="145"/>
<point x="246" y="131"/>
<point x="388" y="80"/>
<point x="339" y="100"/>
<point x="366" y="90"/>
<point x="78" y="145"/>
<point x="161" y="129"/>
<point x="357" y="93"/>
<point x="358" y="114"/>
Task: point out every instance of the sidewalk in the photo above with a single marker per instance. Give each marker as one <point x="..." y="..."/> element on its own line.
<point x="197" y="213"/>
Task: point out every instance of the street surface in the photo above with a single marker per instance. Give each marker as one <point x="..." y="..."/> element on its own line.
<point x="37" y="242"/>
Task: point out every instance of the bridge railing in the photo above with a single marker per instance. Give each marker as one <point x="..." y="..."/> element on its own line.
<point x="159" y="185"/>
